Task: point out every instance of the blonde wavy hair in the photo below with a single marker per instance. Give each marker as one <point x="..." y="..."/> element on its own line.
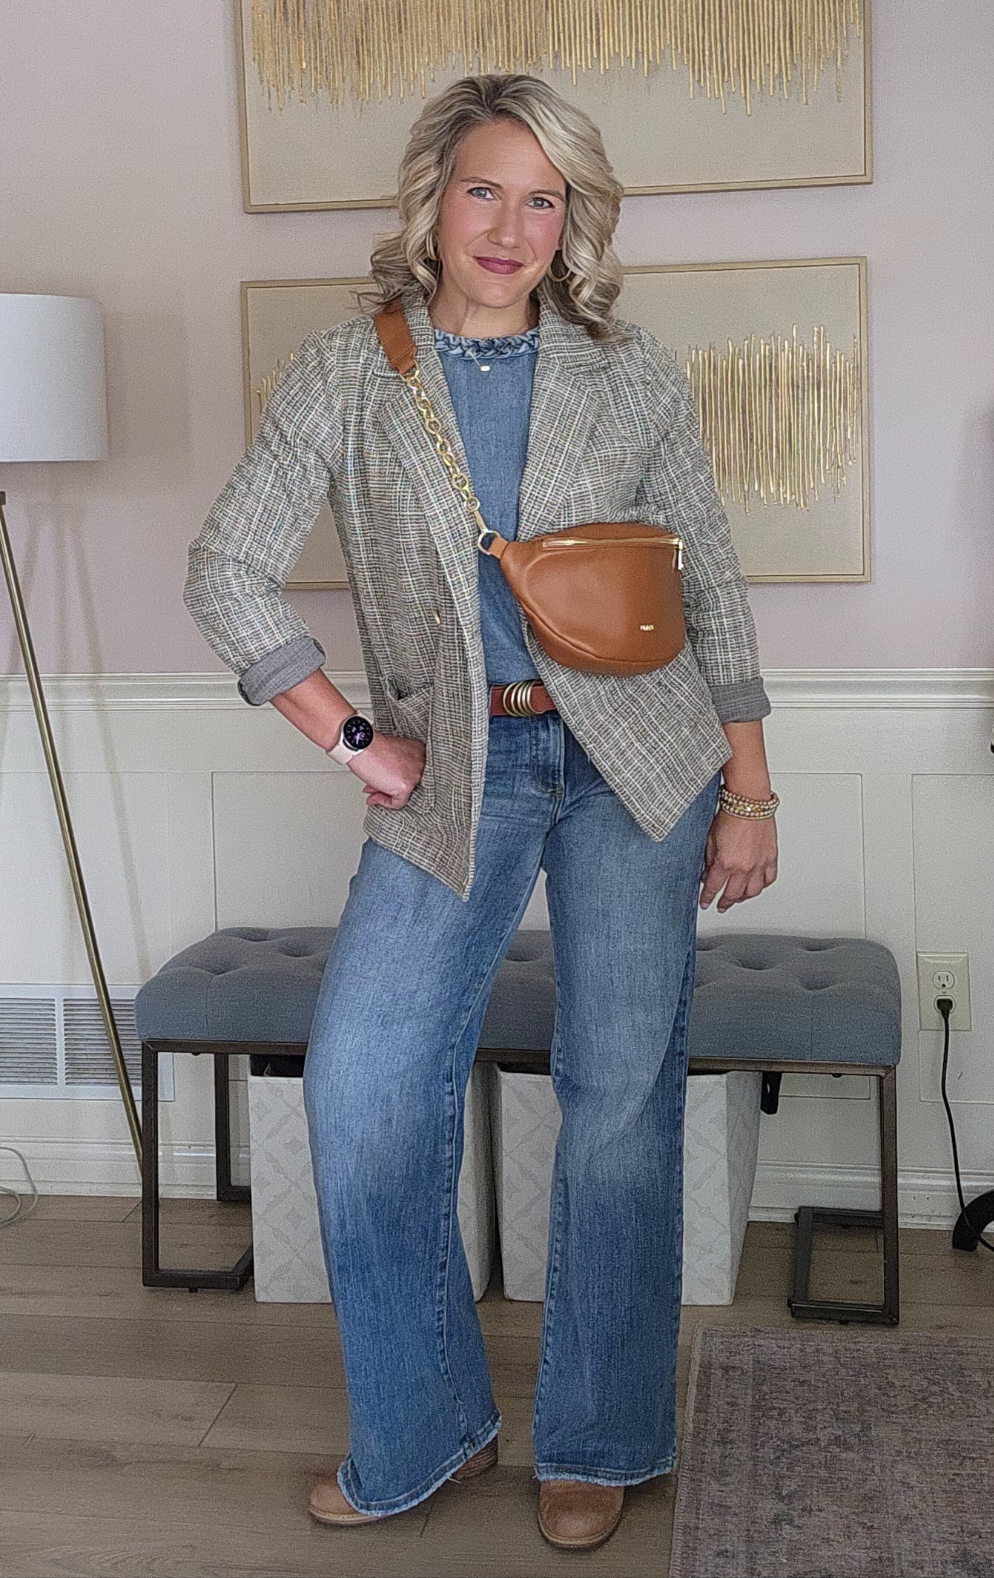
<point x="589" y="273"/>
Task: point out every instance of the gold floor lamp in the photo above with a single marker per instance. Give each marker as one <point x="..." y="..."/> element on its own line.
<point x="53" y="406"/>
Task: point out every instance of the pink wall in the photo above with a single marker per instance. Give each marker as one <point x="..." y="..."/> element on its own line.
<point x="119" y="175"/>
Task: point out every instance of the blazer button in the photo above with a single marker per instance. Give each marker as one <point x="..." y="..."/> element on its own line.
<point x="438" y="617"/>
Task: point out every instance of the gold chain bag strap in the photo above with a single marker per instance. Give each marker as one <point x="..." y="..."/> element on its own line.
<point x="604" y="597"/>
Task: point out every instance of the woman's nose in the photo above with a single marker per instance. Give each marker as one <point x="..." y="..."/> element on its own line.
<point x="507" y="230"/>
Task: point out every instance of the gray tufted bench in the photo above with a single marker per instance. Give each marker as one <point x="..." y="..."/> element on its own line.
<point x="817" y="1005"/>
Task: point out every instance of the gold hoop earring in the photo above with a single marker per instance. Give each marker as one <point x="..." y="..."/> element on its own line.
<point x="430" y="252"/>
<point x="560" y="280"/>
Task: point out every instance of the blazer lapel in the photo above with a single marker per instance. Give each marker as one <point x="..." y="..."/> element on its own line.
<point x="563" y="411"/>
<point x="450" y="522"/>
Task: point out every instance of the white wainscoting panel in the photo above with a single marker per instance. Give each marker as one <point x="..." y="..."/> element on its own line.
<point x="195" y="811"/>
<point x="819" y="887"/>
<point x="954" y="913"/>
<point x="285" y="846"/>
<point x="122" y="831"/>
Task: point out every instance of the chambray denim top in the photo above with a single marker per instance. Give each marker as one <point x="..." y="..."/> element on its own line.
<point x="492" y="409"/>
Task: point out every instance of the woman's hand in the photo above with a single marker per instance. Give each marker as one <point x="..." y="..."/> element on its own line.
<point x="741" y="857"/>
<point x="390" y="769"/>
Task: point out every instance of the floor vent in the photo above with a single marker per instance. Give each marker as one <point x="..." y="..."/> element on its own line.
<point x="53" y="1044"/>
<point x="29" y="1052"/>
<point x="88" y="1054"/>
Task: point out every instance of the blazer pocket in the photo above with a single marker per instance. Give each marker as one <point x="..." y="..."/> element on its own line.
<point x="411" y="713"/>
<point x="411" y="717"/>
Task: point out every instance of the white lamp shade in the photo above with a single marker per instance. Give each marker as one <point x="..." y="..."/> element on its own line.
<point x="53" y="398"/>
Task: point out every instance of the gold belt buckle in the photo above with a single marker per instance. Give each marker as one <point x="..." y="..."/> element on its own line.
<point x="517" y="699"/>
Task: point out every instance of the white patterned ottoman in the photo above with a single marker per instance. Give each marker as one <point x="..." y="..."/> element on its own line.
<point x="289" y="1266"/>
<point x="721" y="1142"/>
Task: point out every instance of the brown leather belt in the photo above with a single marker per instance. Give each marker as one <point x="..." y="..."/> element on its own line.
<point x="524" y="699"/>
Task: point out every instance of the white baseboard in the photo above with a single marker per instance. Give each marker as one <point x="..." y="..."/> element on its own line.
<point x="925" y="1200"/>
<point x="67" y="1167"/>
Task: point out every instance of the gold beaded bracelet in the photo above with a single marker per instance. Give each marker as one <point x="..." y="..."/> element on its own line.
<point x="741" y="805"/>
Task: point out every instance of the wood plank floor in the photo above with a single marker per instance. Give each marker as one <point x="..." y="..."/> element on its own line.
<point x="160" y="1434"/>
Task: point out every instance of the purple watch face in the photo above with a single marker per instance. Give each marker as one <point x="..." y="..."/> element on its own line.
<point x="357" y="733"/>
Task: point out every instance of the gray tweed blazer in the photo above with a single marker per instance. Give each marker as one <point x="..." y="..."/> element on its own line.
<point x="613" y="436"/>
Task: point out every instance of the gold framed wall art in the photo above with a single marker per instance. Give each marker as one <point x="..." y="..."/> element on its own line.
<point x="776" y="355"/>
<point x="277" y="316"/>
<point x="742" y="94"/>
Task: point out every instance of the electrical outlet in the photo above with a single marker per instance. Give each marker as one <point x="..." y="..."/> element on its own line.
<point x="944" y="975"/>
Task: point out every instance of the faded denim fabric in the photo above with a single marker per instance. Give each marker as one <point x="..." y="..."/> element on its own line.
<point x="492" y="410"/>
<point x="393" y="1041"/>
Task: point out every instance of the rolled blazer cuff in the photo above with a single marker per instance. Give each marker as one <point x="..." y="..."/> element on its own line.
<point x="271" y="675"/>
<point x="743" y="701"/>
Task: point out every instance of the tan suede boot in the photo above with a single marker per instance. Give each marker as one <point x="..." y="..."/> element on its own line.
<point x="575" y="1516"/>
<point x="328" y="1505"/>
<point x="478" y="1463"/>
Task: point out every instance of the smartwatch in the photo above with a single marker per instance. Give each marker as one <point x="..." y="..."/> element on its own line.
<point x="357" y="732"/>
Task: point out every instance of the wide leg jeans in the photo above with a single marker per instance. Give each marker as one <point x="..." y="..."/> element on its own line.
<point x="392" y="1047"/>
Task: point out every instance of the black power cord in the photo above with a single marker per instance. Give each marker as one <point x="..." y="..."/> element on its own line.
<point x="972" y="1236"/>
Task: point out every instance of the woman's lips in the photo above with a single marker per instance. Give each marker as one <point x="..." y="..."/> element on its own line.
<point x="500" y="265"/>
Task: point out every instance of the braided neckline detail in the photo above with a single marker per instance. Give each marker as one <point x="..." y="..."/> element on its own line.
<point x="495" y="346"/>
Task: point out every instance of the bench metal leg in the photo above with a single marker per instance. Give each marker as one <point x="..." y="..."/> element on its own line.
<point x="224" y="1189"/>
<point x="807" y="1217"/>
<point x="153" y="1274"/>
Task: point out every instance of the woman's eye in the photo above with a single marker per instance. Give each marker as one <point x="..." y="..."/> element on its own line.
<point x="475" y="191"/>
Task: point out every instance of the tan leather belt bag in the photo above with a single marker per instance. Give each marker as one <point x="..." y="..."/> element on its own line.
<point x="605" y="597"/>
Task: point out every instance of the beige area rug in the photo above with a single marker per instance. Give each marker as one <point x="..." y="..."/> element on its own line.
<point x="836" y="1454"/>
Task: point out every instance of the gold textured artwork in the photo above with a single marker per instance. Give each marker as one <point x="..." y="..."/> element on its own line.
<point x="364" y="48"/>
<point x="775" y="355"/>
<point x="277" y="316"/>
<point x="783" y="412"/>
<point x="721" y="93"/>
<point x="265" y="384"/>
<point x="781" y="418"/>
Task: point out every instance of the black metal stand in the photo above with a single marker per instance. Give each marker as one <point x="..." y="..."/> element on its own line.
<point x="155" y="1275"/>
<point x="224" y="1188"/>
<point x="537" y="1062"/>
<point x="842" y="1310"/>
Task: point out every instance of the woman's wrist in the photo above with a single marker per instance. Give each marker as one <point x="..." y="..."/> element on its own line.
<point x="746" y="771"/>
<point x="752" y="785"/>
<point x="316" y="708"/>
<point x="748" y="806"/>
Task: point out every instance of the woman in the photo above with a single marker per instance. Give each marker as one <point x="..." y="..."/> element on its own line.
<point x="507" y="278"/>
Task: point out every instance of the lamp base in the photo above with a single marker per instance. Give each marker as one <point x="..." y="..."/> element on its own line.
<point x="66" y="828"/>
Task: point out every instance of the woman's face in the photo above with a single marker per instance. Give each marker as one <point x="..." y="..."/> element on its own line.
<point x="501" y="216"/>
